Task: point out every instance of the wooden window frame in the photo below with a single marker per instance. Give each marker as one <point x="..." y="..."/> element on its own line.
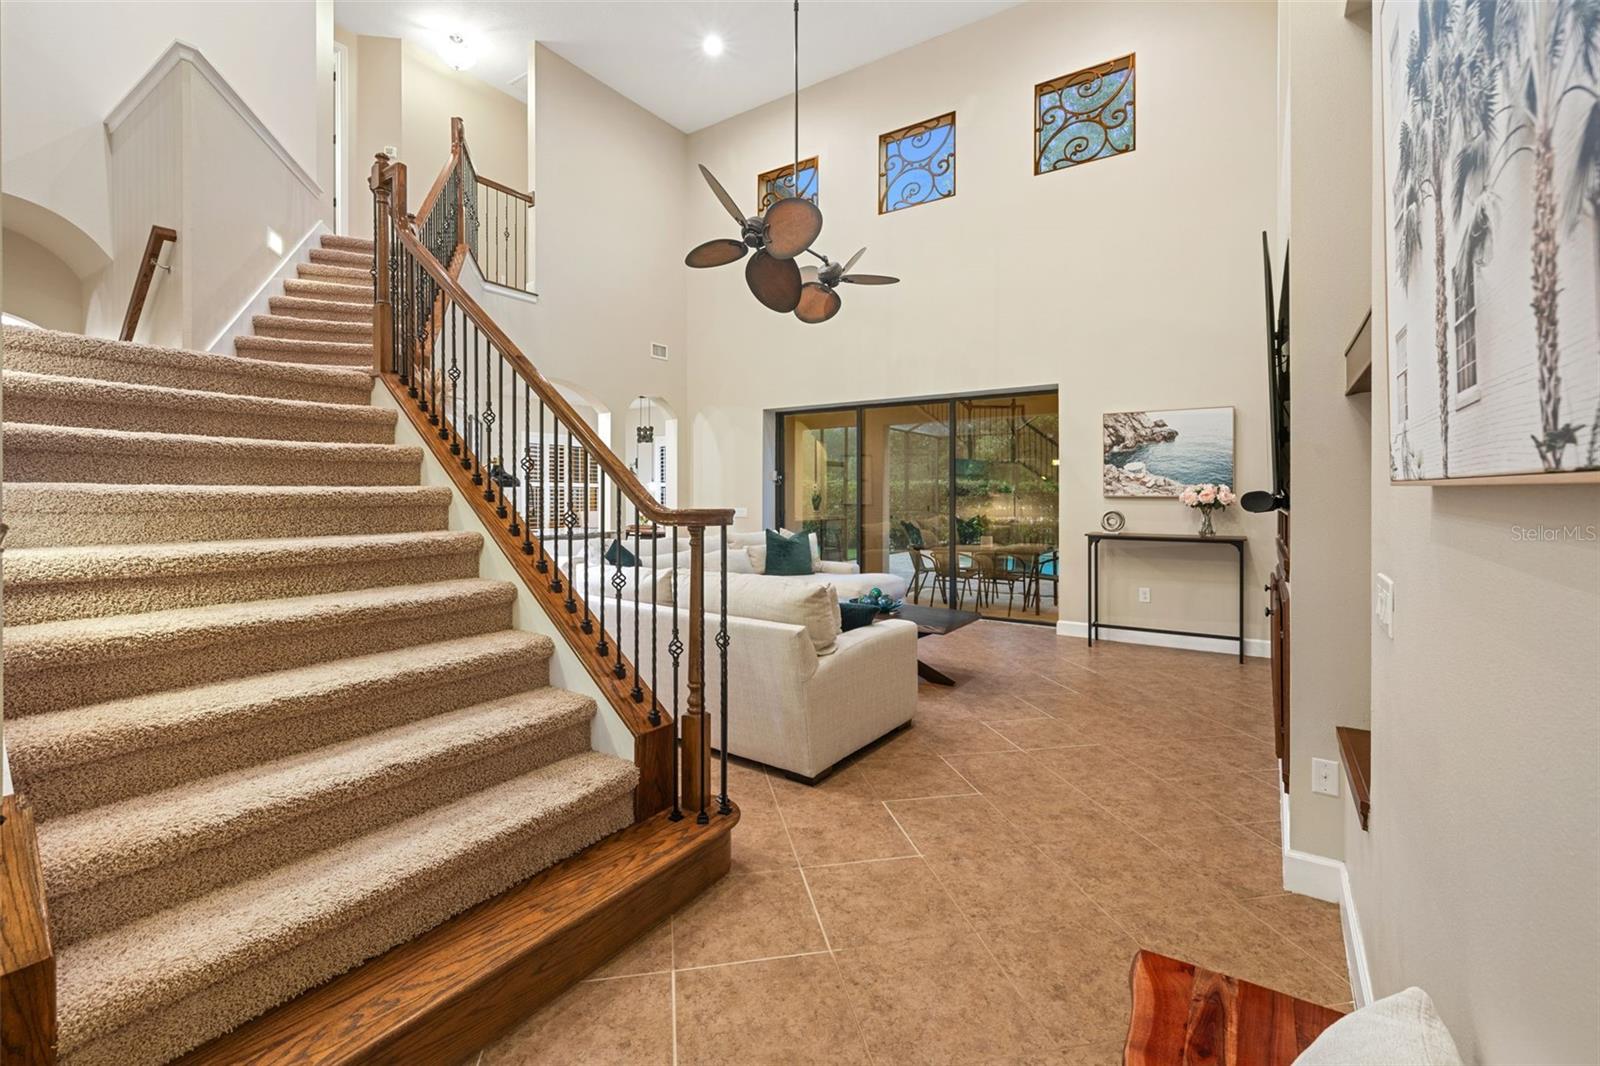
<point x="766" y="176"/>
<point x="894" y="136"/>
<point x="1098" y="70"/>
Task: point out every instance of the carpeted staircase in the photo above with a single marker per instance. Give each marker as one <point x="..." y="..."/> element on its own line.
<point x="269" y="718"/>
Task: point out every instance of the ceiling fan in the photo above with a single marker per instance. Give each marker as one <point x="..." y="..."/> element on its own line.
<point x="787" y="229"/>
<point x="818" y="301"/>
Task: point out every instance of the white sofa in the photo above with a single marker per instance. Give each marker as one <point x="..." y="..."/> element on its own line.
<point x="791" y="704"/>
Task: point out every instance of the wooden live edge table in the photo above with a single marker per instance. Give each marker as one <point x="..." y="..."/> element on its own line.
<point x="1094" y="541"/>
<point x="1184" y="1015"/>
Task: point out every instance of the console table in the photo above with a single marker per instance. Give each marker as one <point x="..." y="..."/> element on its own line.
<point x="1094" y="541"/>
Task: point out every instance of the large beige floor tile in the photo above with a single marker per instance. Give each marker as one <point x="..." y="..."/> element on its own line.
<point x="954" y="827"/>
<point x="651" y="953"/>
<point x="938" y="1001"/>
<point x="1310" y="923"/>
<point x="1072" y="974"/>
<point x="777" y="1012"/>
<point x="882" y="902"/>
<point x="1228" y="855"/>
<point x="912" y="776"/>
<point x="747" y="915"/>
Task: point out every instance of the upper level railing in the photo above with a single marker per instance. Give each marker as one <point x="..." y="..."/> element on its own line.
<point x="584" y="533"/>
<point x="497" y="220"/>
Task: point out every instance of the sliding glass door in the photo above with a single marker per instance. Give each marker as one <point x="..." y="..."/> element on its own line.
<point x="958" y="495"/>
<point x="820" y="488"/>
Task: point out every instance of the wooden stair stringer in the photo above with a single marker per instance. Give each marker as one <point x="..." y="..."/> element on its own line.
<point x="457" y="987"/>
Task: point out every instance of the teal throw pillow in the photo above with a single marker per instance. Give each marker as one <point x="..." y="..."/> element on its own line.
<point x="788" y="556"/>
<point x="617" y="555"/>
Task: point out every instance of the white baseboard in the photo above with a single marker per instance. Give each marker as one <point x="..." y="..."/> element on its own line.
<point x="1328" y="879"/>
<point x="257" y="304"/>
<point x="1355" y="948"/>
<point x="1257" y="649"/>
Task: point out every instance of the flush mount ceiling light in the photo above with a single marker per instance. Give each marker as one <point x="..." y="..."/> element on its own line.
<point x="787" y="230"/>
<point x="711" y="45"/>
<point x="456" y="53"/>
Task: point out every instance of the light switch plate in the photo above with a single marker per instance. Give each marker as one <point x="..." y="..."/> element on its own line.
<point x="1383" y="607"/>
<point x="1325" y="777"/>
<point x="1144" y="594"/>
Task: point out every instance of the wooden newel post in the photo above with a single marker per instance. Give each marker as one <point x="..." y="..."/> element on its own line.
<point x="382" y="310"/>
<point x="458" y="150"/>
<point x="696" y="735"/>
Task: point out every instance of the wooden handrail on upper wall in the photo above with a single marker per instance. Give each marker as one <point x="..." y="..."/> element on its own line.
<point x="159" y="235"/>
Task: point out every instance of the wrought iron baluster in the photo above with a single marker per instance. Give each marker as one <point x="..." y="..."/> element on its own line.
<point x="543" y="566"/>
<point x="723" y="806"/>
<point x="675" y="653"/>
<point x="637" y="693"/>
<point x="507" y="468"/>
<point x="572" y="520"/>
<point x="655" y="615"/>
<point x="618" y="670"/>
<point x="475" y="460"/>
<point x="602" y="648"/>
<point x="453" y="324"/>
<point x="527" y="470"/>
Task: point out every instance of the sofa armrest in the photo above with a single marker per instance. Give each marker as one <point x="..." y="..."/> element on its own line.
<point x="875" y="665"/>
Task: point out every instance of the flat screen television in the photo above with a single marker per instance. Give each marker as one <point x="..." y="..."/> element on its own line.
<point x="1277" y="499"/>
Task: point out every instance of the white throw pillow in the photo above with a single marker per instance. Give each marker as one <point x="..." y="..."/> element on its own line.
<point x="816" y="607"/>
<point x="1398" y="1030"/>
<point x="833" y="566"/>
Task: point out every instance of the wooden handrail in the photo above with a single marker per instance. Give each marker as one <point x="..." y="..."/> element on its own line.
<point x="159" y="235"/>
<point x="526" y="197"/>
<point x="592" y="441"/>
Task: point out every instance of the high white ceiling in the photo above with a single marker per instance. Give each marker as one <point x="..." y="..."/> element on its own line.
<point x="649" y="50"/>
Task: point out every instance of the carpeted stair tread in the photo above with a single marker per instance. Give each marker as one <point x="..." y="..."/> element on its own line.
<point x="344" y="243"/>
<point x="341" y="257"/>
<point x="47" y="453"/>
<point x="354" y="275"/>
<point x="329" y="310"/>
<point x="50" y="399"/>
<point x="83" y="581"/>
<point x="329" y="290"/>
<point x="293" y="328"/>
<point x="231" y="721"/>
<point x="286" y="348"/>
<point x="87" y="849"/>
<point x="79" y="642"/>
<point x="43" y="351"/>
<point x="388" y="877"/>
<point x="61" y="513"/>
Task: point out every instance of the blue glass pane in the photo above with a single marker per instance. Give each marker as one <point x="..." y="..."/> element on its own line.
<point x="779" y="187"/>
<point x="919" y="166"/>
<point x="1088" y="117"/>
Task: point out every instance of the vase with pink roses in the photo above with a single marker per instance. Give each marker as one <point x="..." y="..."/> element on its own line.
<point x="1206" y="498"/>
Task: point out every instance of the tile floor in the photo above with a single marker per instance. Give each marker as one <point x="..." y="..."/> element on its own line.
<point x="973" y="888"/>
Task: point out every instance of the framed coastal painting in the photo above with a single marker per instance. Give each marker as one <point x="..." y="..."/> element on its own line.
<point x="1159" y="453"/>
<point x="1491" y="168"/>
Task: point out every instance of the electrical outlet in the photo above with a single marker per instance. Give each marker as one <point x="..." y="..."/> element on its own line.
<point x="1144" y="594"/>
<point x="1383" y="607"/>
<point x="1325" y="777"/>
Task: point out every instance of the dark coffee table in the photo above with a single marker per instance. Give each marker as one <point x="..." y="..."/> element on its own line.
<point x="935" y="622"/>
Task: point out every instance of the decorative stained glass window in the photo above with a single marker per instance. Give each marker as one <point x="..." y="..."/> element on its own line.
<point x="1084" y="116"/>
<point x="917" y="164"/>
<point x="774" y="185"/>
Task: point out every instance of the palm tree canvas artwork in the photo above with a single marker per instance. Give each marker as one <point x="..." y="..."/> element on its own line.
<point x="1491" y="121"/>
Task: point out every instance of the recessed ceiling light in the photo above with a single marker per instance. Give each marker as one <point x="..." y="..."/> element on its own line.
<point x="712" y="45"/>
<point x="456" y="53"/>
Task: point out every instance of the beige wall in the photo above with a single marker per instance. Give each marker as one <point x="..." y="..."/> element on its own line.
<point x="375" y="113"/>
<point x="609" y="254"/>
<point x="496" y="123"/>
<point x="1127" y="283"/>
<point x="1480" y="875"/>
<point x="42" y="288"/>
<point x="1329" y="161"/>
<point x="65" y="66"/>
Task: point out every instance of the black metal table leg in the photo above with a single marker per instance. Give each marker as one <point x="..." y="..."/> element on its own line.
<point x="1241" y="601"/>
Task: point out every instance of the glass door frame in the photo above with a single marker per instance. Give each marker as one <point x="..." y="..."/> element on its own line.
<point x="952" y="558"/>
